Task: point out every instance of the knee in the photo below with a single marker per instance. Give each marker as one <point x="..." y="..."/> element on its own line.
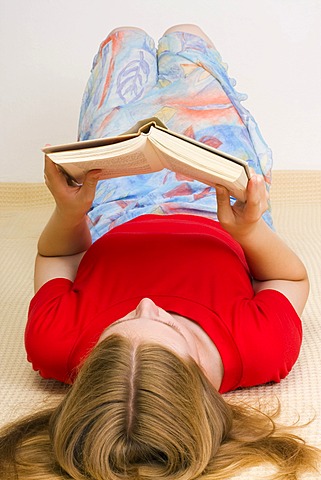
<point x="127" y="28"/>
<point x="184" y="27"/>
<point x="190" y="28"/>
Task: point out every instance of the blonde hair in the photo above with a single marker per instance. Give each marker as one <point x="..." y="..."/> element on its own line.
<point x="142" y="412"/>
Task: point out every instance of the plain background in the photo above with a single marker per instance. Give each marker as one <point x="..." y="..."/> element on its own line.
<point x="272" y="48"/>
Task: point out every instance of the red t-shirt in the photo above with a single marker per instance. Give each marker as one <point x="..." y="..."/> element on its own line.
<point x="186" y="264"/>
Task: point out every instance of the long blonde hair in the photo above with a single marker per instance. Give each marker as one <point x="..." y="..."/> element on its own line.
<point x="142" y="412"/>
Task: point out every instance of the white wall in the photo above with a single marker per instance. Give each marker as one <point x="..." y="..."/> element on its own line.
<point x="47" y="46"/>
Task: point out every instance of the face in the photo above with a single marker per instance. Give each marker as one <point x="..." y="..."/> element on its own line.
<point x="151" y="323"/>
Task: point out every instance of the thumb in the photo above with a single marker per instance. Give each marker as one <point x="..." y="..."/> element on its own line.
<point x="90" y="181"/>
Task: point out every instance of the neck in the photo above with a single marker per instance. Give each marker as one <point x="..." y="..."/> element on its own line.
<point x="209" y="358"/>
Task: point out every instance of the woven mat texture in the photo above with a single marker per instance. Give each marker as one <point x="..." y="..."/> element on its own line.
<point x="24" y="210"/>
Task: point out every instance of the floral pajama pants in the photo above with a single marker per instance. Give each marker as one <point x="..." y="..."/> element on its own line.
<point x="185" y="84"/>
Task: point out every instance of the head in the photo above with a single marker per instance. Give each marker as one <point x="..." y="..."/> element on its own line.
<point x="138" y="409"/>
<point x="150" y="323"/>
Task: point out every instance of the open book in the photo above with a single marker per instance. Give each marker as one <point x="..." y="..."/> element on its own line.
<point x="149" y="147"/>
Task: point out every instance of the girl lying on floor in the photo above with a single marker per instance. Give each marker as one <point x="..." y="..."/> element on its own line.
<point x="156" y="294"/>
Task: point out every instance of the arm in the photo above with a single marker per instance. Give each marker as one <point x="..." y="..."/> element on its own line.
<point x="66" y="236"/>
<point x="272" y="263"/>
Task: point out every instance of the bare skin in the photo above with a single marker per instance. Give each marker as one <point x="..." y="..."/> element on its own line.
<point x="151" y="323"/>
<point x="273" y="265"/>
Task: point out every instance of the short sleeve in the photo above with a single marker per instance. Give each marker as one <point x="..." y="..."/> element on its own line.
<point x="269" y="338"/>
<point x="50" y="330"/>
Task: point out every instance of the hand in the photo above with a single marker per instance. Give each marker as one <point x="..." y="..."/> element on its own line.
<point x="71" y="201"/>
<point x="240" y="219"/>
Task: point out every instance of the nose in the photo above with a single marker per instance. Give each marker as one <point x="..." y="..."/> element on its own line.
<point x="147" y="308"/>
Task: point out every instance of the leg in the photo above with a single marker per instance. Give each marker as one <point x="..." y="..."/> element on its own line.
<point x="134" y="29"/>
<point x="199" y="100"/>
<point x="124" y="71"/>
<point x="190" y="28"/>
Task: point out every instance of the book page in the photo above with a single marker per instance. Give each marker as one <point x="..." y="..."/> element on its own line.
<point x="168" y="137"/>
<point x="132" y="157"/>
<point x="236" y="184"/>
<point x="201" y="164"/>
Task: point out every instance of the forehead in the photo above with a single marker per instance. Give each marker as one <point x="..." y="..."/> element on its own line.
<point x="150" y="330"/>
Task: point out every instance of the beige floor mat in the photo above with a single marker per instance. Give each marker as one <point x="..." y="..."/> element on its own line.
<point x="24" y="209"/>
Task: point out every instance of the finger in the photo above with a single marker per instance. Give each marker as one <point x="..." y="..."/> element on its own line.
<point x="253" y="193"/>
<point x="223" y="203"/>
<point x="265" y="196"/>
<point x="50" y="167"/>
<point x="54" y="177"/>
<point x="256" y="189"/>
<point x="260" y="188"/>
